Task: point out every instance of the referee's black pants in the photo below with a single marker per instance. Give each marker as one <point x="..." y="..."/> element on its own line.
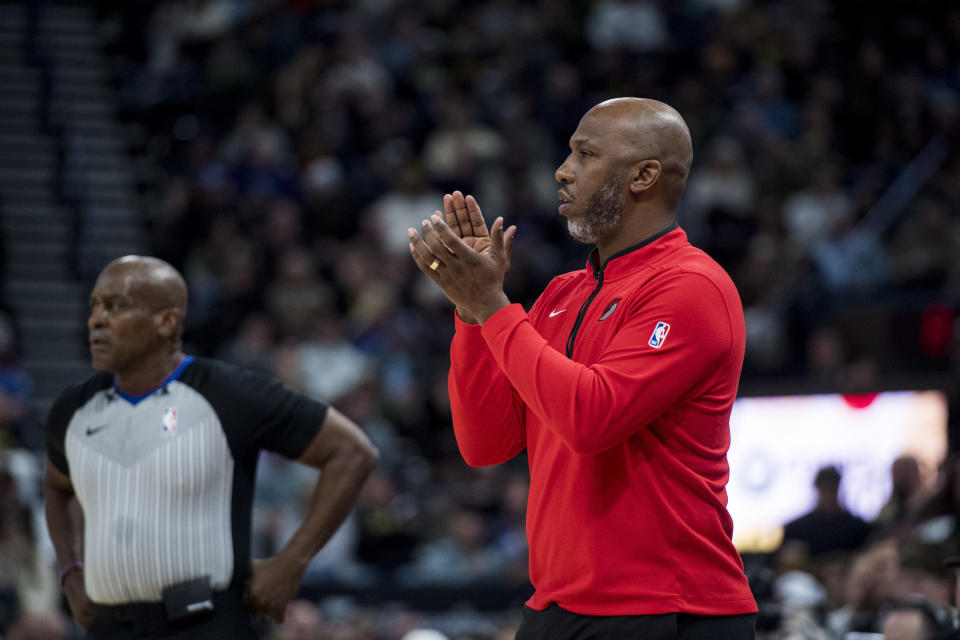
<point x="229" y="620"/>
<point x="554" y="623"/>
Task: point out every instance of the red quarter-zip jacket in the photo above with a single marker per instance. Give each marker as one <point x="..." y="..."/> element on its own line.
<point x="619" y="383"/>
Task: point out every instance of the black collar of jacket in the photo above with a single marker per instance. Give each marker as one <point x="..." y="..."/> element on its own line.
<point x="598" y="268"/>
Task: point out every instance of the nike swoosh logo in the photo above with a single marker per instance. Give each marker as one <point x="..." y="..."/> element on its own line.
<point x="556" y="313"/>
<point x="93" y="430"/>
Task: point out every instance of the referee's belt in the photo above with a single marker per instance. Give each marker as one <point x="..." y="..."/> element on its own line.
<point x="152" y="614"/>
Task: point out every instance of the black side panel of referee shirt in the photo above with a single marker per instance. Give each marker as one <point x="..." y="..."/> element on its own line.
<point x="254" y="411"/>
<point x="257" y="413"/>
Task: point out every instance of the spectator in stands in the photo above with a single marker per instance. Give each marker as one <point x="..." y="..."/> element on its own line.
<point x="952" y="564"/>
<point x="924" y="248"/>
<point x="387" y="533"/>
<point x="868" y="590"/>
<point x="390" y="215"/>
<point x="916" y="619"/>
<point x="329" y="363"/>
<point x="16" y="422"/>
<point x="921" y="573"/>
<point x="721" y="199"/>
<point x="460" y="555"/>
<point x="829" y="525"/>
<point x="631" y="26"/>
<point x="253" y="346"/>
<point x="296" y="296"/>
<point x="810" y="214"/>
<point x="27" y="583"/>
<point x="905" y="488"/>
<point x="938" y="517"/>
<point x="456" y="150"/>
<point x="51" y="625"/>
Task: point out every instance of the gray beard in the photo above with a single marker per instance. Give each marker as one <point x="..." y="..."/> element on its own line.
<point x="603" y="214"/>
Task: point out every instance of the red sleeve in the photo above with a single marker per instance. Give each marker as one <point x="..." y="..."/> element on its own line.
<point x="488" y="415"/>
<point x="593" y="408"/>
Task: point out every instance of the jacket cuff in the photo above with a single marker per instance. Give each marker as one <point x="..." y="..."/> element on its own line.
<point x="460" y="325"/>
<point x="503" y="320"/>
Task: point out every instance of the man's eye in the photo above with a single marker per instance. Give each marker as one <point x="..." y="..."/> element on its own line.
<point x="584" y="153"/>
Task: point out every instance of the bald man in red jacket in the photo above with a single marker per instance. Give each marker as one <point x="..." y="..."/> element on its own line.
<point x="618" y="383"/>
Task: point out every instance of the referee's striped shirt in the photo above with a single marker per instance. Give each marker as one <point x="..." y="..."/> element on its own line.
<point x="166" y="479"/>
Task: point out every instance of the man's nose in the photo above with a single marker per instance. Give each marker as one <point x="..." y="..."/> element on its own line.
<point x="96" y="318"/>
<point x="563" y="174"/>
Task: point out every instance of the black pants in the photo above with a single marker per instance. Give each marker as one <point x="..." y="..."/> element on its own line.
<point x="554" y="623"/>
<point x="229" y="620"/>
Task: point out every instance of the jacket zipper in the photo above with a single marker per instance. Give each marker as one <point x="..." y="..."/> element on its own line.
<point x="598" y="275"/>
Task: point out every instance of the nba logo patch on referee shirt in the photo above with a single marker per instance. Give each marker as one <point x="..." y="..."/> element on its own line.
<point x="659" y="335"/>
<point x="170" y="422"/>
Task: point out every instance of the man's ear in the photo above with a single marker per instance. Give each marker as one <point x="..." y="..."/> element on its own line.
<point x="646" y="173"/>
<point x="167" y="322"/>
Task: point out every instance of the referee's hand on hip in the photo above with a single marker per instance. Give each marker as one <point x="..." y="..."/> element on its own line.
<point x="272" y="584"/>
<point x="80" y="605"/>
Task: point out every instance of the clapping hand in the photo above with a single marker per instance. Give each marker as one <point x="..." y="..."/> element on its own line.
<point x="466" y="221"/>
<point x="467" y="261"/>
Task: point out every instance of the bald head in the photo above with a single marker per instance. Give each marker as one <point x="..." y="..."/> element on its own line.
<point x="151" y="281"/>
<point x="628" y="164"/>
<point x="137" y="308"/>
<point x="641" y="129"/>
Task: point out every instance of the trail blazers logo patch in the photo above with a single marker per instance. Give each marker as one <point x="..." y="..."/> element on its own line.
<point x="659" y="335"/>
<point x="610" y="310"/>
<point x="170" y="422"/>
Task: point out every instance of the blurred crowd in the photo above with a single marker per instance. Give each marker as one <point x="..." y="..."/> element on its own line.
<point x="834" y="574"/>
<point x="289" y="144"/>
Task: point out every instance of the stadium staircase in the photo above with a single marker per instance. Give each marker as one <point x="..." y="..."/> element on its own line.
<point x="68" y="196"/>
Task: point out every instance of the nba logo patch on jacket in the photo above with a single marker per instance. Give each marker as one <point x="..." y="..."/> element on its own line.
<point x="659" y="335"/>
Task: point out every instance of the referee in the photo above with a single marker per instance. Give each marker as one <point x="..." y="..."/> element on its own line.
<point x="159" y="449"/>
